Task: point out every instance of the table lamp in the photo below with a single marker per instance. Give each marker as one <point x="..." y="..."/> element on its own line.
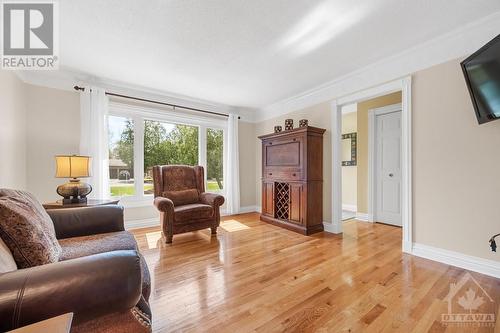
<point x="74" y="167"/>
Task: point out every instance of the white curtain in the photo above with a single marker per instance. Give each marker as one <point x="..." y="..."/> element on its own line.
<point x="94" y="138"/>
<point x="233" y="167"/>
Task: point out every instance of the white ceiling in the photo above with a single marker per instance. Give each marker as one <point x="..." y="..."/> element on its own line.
<point x="247" y="53"/>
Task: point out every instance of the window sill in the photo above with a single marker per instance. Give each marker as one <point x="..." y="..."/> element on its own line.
<point x="126" y="202"/>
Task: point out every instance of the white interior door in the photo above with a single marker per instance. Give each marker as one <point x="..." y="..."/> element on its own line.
<point x="388" y="168"/>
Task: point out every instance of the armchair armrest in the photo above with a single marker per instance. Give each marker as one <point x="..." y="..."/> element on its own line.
<point x="85" y="221"/>
<point x="212" y="199"/>
<point x="164" y="204"/>
<point x="89" y="287"/>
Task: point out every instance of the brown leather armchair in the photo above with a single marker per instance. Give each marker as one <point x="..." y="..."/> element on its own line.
<point x="182" y="201"/>
<point x="100" y="277"/>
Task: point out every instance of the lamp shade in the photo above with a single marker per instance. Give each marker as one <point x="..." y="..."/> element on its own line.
<point x="72" y="166"/>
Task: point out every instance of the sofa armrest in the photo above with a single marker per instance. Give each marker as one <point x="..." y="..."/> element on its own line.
<point x="85" y="221"/>
<point x="89" y="287"/>
<point x="164" y="204"/>
<point x="212" y="199"/>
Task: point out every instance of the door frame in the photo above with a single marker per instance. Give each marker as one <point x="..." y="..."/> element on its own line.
<point x="372" y="179"/>
<point x="403" y="85"/>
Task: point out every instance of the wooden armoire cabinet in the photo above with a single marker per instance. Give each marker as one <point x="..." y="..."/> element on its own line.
<point x="292" y="179"/>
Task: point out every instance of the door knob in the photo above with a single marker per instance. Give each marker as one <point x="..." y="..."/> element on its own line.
<point x="391" y="175"/>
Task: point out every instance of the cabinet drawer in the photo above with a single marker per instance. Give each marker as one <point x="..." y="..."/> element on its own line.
<point x="284" y="175"/>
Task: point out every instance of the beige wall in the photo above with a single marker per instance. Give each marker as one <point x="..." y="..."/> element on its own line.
<point x="246" y="142"/>
<point x="349" y="173"/>
<point x="363" y="108"/>
<point x="456" y="187"/>
<point x="318" y="116"/>
<point x="53" y="127"/>
<point x="12" y="131"/>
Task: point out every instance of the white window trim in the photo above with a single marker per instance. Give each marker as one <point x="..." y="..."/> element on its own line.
<point x="140" y="113"/>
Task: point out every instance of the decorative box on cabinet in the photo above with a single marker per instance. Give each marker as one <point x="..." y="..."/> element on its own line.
<point x="292" y="179"/>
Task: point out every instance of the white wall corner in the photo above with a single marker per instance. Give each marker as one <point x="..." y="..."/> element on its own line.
<point x="243" y="210"/>
<point x="249" y="209"/>
<point x="364" y="217"/>
<point x="332" y="228"/>
<point x="143" y="223"/>
<point x="471" y="263"/>
<point x="349" y="208"/>
<point x="407" y="247"/>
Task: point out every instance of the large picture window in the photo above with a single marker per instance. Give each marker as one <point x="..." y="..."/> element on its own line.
<point x="140" y="138"/>
<point x="166" y="143"/>
<point x="121" y="156"/>
<point x="215" y="159"/>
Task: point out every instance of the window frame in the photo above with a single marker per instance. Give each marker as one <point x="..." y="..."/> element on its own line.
<point x="139" y="114"/>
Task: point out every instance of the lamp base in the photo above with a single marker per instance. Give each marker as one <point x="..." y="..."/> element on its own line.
<point x="70" y="201"/>
<point x="74" y="192"/>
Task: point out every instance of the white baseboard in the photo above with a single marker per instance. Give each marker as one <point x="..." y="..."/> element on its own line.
<point x="364" y="217"/>
<point x="243" y="210"/>
<point x="249" y="209"/>
<point x="350" y="208"/>
<point x="471" y="263"/>
<point x="144" y="223"/>
<point x="331" y="228"/>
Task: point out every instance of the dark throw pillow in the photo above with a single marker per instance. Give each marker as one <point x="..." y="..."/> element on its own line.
<point x="27" y="229"/>
<point x="183" y="197"/>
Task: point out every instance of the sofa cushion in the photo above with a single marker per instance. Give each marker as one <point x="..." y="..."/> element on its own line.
<point x="27" y="229"/>
<point x="192" y="213"/>
<point x="7" y="262"/>
<point x="76" y="247"/>
<point x="183" y="197"/>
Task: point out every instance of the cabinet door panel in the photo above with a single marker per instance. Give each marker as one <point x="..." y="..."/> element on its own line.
<point x="296" y="206"/>
<point x="268" y="198"/>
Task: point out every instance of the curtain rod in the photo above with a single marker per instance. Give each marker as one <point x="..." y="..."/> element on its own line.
<point x="157" y="102"/>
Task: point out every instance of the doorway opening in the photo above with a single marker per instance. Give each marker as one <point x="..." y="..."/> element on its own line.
<point x="349" y="161"/>
<point x="382" y="157"/>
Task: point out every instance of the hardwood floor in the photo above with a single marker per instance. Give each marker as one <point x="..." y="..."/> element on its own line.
<point x="255" y="277"/>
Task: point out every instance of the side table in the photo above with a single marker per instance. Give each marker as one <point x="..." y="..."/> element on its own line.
<point x="89" y="203"/>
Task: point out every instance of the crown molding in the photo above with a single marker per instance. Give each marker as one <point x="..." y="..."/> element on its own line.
<point x="66" y="78"/>
<point x="455" y="44"/>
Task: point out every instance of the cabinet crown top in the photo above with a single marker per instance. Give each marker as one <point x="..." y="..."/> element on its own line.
<point x="307" y="129"/>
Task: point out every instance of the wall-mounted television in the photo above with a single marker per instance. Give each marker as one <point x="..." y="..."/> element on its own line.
<point x="482" y="74"/>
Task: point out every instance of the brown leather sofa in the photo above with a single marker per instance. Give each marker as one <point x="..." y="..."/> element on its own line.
<point x="100" y="277"/>
<point x="182" y="201"/>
